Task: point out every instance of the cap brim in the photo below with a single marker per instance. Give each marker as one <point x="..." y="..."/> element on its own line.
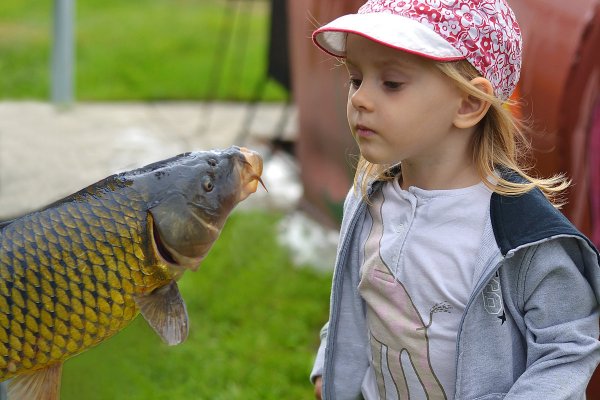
<point x="389" y="30"/>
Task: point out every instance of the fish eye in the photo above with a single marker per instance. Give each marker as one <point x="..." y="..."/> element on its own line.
<point x="207" y="184"/>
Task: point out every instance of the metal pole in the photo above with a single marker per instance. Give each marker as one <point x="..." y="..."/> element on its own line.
<point x="63" y="52"/>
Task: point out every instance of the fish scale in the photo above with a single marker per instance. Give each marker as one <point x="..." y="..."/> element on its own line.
<point x="68" y="276"/>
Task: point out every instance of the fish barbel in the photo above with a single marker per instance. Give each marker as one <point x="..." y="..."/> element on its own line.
<point x="78" y="271"/>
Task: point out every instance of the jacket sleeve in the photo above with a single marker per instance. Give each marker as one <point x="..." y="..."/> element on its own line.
<point x="557" y="282"/>
<point x="320" y="360"/>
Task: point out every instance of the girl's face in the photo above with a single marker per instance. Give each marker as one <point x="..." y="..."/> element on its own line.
<point x="400" y="106"/>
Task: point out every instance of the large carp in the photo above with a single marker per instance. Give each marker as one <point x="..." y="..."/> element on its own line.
<point x="78" y="271"/>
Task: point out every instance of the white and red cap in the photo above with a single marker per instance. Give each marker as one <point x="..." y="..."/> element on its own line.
<point x="483" y="32"/>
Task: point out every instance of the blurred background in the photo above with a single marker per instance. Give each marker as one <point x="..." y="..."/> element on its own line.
<point x="94" y="87"/>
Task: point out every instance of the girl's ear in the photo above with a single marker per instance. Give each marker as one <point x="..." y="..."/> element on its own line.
<point x="473" y="109"/>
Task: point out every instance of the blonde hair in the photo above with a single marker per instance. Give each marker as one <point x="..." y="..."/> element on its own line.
<point x="498" y="144"/>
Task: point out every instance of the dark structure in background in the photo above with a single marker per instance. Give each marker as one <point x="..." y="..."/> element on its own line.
<point x="278" y="66"/>
<point x="560" y="88"/>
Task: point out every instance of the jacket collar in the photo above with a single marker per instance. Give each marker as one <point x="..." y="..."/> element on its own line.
<point x="527" y="218"/>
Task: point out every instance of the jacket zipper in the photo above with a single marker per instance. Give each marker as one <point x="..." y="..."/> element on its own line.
<point x="485" y="279"/>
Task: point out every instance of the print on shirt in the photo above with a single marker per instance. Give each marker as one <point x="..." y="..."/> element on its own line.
<point x="398" y="334"/>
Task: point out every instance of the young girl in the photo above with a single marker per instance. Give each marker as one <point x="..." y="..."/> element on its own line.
<point x="456" y="276"/>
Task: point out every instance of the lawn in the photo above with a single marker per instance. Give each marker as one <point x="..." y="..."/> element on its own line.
<point x="254" y="324"/>
<point x="142" y="50"/>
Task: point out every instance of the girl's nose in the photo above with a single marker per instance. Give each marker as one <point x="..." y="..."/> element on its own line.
<point x="360" y="98"/>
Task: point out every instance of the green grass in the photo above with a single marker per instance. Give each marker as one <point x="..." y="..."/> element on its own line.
<point x="142" y="50"/>
<point x="254" y="324"/>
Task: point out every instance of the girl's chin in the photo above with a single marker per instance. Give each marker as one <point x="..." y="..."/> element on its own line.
<point x="370" y="153"/>
<point x="376" y="160"/>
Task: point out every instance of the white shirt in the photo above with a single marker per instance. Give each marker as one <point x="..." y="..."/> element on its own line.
<point x="429" y="243"/>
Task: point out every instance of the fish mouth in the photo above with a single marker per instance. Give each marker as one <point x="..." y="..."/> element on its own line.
<point x="250" y="173"/>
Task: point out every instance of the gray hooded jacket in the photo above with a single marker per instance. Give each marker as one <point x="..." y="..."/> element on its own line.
<point x="533" y="260"/>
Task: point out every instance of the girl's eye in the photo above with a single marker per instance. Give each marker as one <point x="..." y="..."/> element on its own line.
<point x="392" y="85"/>
<point x="355" y="83"/>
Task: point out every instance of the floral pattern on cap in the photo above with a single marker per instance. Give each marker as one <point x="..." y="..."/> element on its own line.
<point x="486" y="32"/>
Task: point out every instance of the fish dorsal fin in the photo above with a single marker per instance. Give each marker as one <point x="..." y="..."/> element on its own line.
<point x="43" y="384"/>
<point x="165" y="312"/>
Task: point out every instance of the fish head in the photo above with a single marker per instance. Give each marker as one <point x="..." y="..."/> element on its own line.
<point x="190" y="198"/>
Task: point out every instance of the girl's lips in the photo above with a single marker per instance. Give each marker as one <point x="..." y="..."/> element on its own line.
<point x="363" y="131"/>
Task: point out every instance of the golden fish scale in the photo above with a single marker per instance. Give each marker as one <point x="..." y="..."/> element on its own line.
<point x="67" y="277"/>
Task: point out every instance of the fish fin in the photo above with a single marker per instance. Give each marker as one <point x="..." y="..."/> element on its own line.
<point x="165" y="312"/>
<point x="43" y="384"/>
